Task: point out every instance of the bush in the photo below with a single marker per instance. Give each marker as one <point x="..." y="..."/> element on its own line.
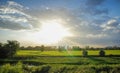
<point x="102" y="53"/>
<point x="85" y="53"/>
<point x="11" y="69"/>
<point x="44" y="69"/>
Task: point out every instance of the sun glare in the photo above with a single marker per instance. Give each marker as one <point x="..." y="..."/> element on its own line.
<point x="52" y="31"/>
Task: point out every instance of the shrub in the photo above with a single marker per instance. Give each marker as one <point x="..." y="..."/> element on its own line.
<point x="85" y="53"/>
<point x="44" y="69"/>
<point x="11" y="69"/>
<point x="102" y="53"/>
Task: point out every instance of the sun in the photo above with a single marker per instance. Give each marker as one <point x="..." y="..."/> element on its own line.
<point x="52" y="31"/>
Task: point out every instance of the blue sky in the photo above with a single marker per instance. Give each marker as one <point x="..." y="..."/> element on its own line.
<point x="91" y="22"/>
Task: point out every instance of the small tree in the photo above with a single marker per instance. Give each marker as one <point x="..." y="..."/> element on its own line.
<point x="59" y="49"/>
<point x="87" y="47"/>
<point x="42" y="48"/>
<point x="102" y="53"/>
<point x="85" y="53"/>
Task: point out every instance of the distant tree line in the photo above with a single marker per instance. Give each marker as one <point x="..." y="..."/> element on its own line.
<point x="96" y="48"/>
<point x="63" y="48"/>
<point x="41" y="48"/>
<point x="10" y="48"/>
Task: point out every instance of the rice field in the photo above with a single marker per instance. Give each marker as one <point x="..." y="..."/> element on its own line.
<point x="64" y="53"/>
<point x="35" y="61"/>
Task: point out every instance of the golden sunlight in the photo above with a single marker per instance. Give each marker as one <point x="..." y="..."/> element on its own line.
<point x="52" y="31"/>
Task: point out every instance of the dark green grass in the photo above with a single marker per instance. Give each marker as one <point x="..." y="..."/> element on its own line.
<point x="64" y="60"/>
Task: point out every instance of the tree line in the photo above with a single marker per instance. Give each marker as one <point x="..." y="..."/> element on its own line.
<point x="10" y="48"/>
<point x="63" y="48"/>
<point x="96" y="48"/>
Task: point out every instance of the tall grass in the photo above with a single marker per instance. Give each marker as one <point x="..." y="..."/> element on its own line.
<point x="59" y="68"/>
<point x="7" y="68"/>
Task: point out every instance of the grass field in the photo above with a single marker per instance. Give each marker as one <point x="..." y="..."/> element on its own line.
<point x="64" y="53"/>
<point x="35" y="61"/>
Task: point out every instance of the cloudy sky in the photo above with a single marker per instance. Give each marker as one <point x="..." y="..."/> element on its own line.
<point x="61" y="22"/>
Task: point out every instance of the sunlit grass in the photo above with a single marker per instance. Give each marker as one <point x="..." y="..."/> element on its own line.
<point x="63" y="53"/>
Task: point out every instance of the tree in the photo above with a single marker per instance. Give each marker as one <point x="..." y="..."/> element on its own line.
<point x="2" y="51"/>
<point x="102" y="53"/>
<point x="87" y="47"/>
<point x="76" y="48"/>
<point x="85" y="53"/>
<point x="37" y="47"/>
<point x="8" y="49"/>
<point x="42" y="48"/>
<point x="1" y="45"/>
<point x="12" y="46"/>
<point x="60" y="49"/>
<point x="22" y="47"/>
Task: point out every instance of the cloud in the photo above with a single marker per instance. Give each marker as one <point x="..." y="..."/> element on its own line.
<point x="14" y="17"/>
<point x="87" y="23"/>
<point x="93" y="7"/>
<point x="87" y="26"/>
<point x="111" y="24"/>
<point x="97" y="35"/>
<point x="11" y="25"/>
<point x="14" y="4"/>
<point x="12" y="8"/>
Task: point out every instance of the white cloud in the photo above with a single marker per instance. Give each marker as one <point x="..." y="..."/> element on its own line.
<point x="101" y="35"/>
<point x="111" y="24"/>
<point x="12" y="3"/>
<point x="14" y="13"/>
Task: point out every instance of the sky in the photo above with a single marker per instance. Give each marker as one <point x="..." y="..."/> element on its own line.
<point x="61" y="22"/>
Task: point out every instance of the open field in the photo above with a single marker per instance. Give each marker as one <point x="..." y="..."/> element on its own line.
<point x="64" y="53"/>
<point x="35" y="61"/>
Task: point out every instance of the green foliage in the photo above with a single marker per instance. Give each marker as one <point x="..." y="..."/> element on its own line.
<point x="42" y="48"/>
<point x="87" y="47"/>
<point x="58" y="68"/>
<point x="8" y="49"/>
<point x="7" y="68"/>
<point x="76" y="48"/>
<point x="85" y="53"/>
<point x="43" y="69"/>
<point x="102" y="53"/>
